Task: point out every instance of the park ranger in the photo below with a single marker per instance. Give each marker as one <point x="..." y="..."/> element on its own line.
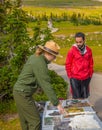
<point x="34" y="75"/>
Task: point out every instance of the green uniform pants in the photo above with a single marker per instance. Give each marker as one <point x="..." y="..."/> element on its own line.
<point x="28" y="113"/>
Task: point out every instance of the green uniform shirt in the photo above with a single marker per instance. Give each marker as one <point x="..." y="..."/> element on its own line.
<point x="34" y="74"/>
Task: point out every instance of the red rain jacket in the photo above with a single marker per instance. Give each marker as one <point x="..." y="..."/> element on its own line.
<point x="79" y="66"/>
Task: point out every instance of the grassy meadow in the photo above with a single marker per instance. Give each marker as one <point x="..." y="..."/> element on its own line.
<point x="86" y="11"/>
<point x="62" y="3"/>
<point x="66" y="30"/>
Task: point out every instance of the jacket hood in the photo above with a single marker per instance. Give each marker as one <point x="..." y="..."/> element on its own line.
<point x="82" y="52"/>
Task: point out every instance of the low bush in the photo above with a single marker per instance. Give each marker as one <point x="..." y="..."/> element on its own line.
<point x="59" y="85"/>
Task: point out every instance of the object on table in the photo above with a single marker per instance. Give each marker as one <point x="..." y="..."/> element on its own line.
<point x="51" y="107"/>
<point x="84" y="122"/>
<point x="48" y="120"/>
<point x="63" y="125"/>
<point x="54" y="113"/>
<point x="74" y="109"/>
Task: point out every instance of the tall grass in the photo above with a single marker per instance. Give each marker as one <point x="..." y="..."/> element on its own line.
<point x="87" y="11"/>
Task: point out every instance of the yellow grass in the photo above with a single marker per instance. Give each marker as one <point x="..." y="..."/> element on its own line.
<point x="87" y="11"/>
<point x="10" y="125"/>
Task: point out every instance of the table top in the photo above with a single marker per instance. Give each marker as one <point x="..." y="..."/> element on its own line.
<point x="81" y="117"/>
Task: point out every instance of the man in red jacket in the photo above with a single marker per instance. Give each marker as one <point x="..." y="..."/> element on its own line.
<point x="79" y="67"/>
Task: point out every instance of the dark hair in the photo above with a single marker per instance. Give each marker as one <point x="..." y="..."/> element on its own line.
<point x="80" y="34"/>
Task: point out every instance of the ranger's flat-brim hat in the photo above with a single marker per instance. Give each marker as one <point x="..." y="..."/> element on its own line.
<point x="51" y="47"/>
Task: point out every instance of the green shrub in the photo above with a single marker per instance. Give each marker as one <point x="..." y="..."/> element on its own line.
<point x="58" y="84"/>
<point x="7" y="107"/>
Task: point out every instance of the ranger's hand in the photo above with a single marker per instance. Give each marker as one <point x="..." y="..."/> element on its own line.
<point x="60" y="108"/>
